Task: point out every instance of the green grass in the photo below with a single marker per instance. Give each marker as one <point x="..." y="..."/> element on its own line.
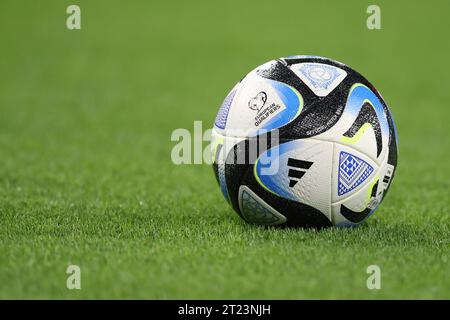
<point x="85" y="170"/>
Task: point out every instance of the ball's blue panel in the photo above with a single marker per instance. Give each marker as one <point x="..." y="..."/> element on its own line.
<point x="222" y="115"/>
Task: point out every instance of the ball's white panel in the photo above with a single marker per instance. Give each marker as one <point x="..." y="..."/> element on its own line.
<point x="258" y="104"/>
<point x="352" y="170"/>
<point x="364" y="138"/>
<point x="299" y="170"/>
<point x="386" y="174"/>
<point x="256" y="210"/>
<point x="320" y="78"/>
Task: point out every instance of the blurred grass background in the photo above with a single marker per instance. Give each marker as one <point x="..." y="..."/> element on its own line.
<point x="85" y="171"/>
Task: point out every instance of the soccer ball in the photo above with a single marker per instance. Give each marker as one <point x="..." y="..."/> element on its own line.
<point x="304" y="141"/>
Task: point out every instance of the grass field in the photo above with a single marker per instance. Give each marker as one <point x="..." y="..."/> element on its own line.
<point x="86" y="176"/>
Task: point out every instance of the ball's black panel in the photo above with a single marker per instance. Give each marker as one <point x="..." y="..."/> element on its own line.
<point x="367" y="115"/>
<point x="393" y="152"/>
<point x="235" y="170"/>
<point x="357" y="217"/>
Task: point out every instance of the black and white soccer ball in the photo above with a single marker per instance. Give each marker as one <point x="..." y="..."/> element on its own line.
<point x="304" y="141"/>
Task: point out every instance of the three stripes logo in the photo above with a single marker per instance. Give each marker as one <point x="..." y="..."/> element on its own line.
<point x="296" y="174"/>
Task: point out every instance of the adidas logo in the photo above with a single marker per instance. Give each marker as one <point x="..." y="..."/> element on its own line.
<point x="295" y="174"/>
